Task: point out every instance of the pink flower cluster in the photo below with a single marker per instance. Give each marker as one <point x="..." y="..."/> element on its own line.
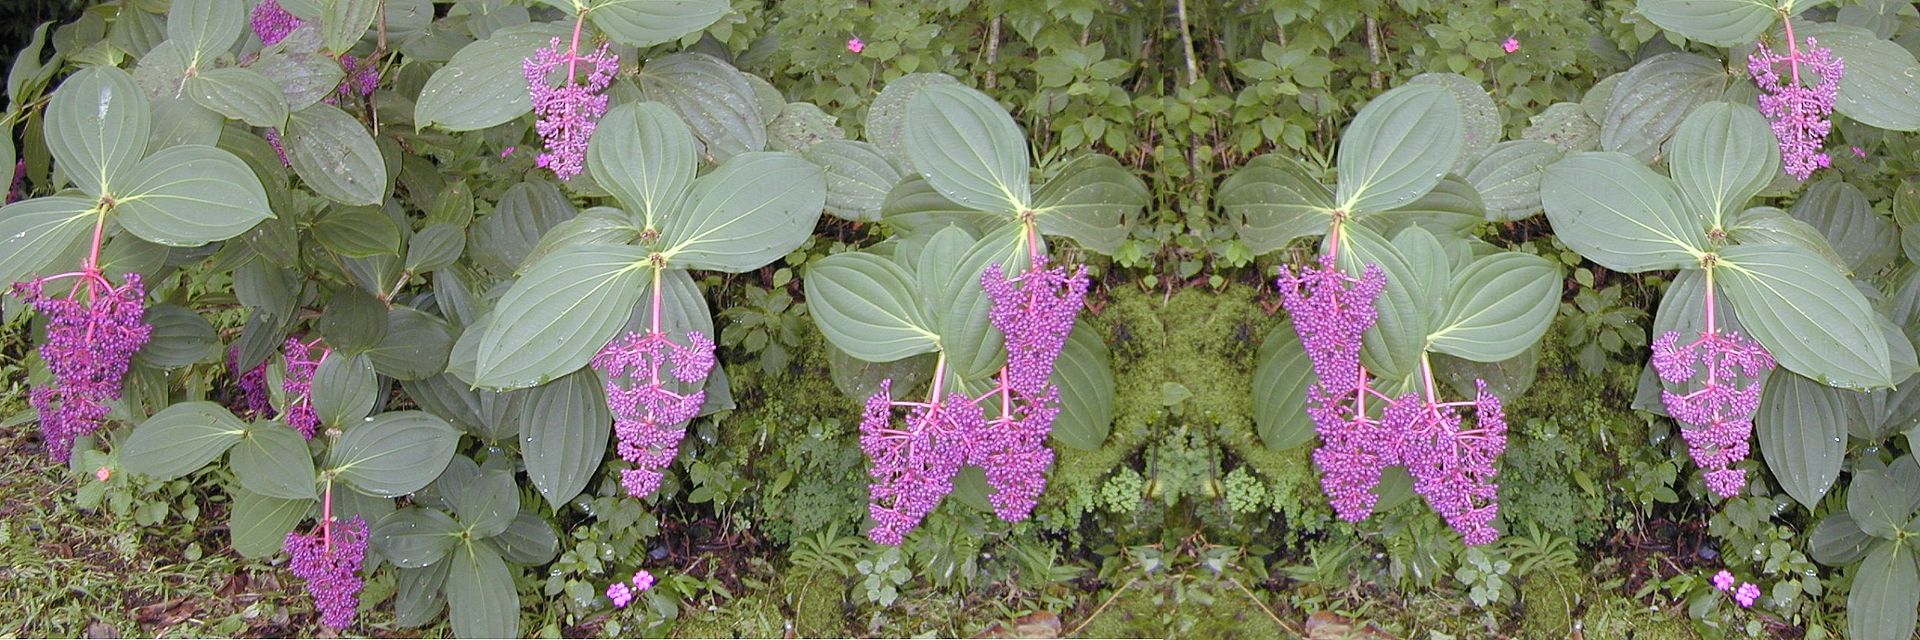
<point x="92" y="336"/>
<point x="363" y="76"/>
<point x="254" y="399"/>
<point x="331" y="568"/>
<point x="649" y="417"/>
<point x="1745" y="596"/>
<point x="303" y="358"/>
<point x="1801" y="114"/>
<point x="913" y="466"/>
<point x="272" y="23"/>
<point x="566" y="115"/>
<point x="1716" y="418"/>
<point x="1453" y="467"/>
<point x="621" y="594"/>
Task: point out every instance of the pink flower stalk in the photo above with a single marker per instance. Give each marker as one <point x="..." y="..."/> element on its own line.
<point x="1717" y="418"/>
<point x="1330" y="312"/>
<point x="856" y="46"/>
<point x="1453" y="468"/>
<point x="913" y="467"/>
<point x="649" y="417"/>
<point x="1511" y="45"/>
<point x="1723" y="581"/>
<point x="619" y="594"/>
<point x="642" y="580"/>
<point x="331" y="568"/>
<point x="1747" y="594"/>
<point x="92" y="336"/>
<point x="303" y="358"/>
<point x="272" y="23"/>
<point x="273" y="139"/>
<point x="1035" y="312"/>
<point x="254" y="399"/>
<point x="1801" y="114"/>
<point x="567" y="114"/>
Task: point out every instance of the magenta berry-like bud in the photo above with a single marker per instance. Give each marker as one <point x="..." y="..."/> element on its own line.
<point x="1801" y="113"/>
<point x="566" y="114"/>
<point x="92" y="336"/>
<point x="331" y="568"/>
<point x="650" y="416"/>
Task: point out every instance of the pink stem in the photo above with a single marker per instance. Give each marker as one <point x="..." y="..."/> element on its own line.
<point x="326" y="518"/>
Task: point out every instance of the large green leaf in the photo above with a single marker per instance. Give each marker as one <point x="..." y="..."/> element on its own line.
<point x="1500" y="305"/>
<point x="435" y="247"/>
<point x="415" y="537"/>
<point x="36" y="233"/>
<point x="344" y="22"/>
<point x="1508" y="177"/>
<point x="644" y="155"/>
<point x="481" y="597"/>
<point x="752" y="210"/>
<point x="1881" y="87"/>
<point x="1878" y="503"/>
<point x="1281" y="380"/>
<point x="258" y="525"/>
<point x="528" y="540"/>
<point x="968" y="148"/>
<point x="525" y="226"/>
<point x="179" y="337"/>
<point x="1806" y="313"/>
<point x="483" y="85"/>
<point x="272" y="460"/>
<point x="334" y="155"/>
<point x="563" y="434"/>
<point x="1391" y="348"/>
<point x="97" y="126"/>
<point x="1767" y="225"/>
<point x="353" y="321"/>
<point x="487" y="505"/>
<point x="1837" y="541"/>
<point x="240" y="93"/>
<point x="1084" y="374"/>
<point x="1271" y="200"/>
<point x="1802" y="426"/>
<point x="559" y="314"/>
<point x="915" y="209"/>
<point x="415" y="346"/>
<point x="1866" y="240"/>
<point x="644" y="23"/>
<point x="420" y="595"/>
<point x="1093" y="200"/>
<point x="864" y="305"/>
<point x="344" y="390"/>
<point x="1397" y="148"/>
<point x="1452" y="208"/>
<point x="180" y="439"/>
<point x="1480" y="123"/>
<point x="886" y="123"/>
<point x="1613" y="210"/>
<point x="1650" y="100"/>
<point x="858" y="178"/>
<point x="1721" y="23"/>
<point x="1880" y="606"/>
<point x="715" y="99"/>
<point x="205" y="28"/>
<point x="393" y="454"/>
<point x="190" y="195"/>
<point x="1723" y="155"/>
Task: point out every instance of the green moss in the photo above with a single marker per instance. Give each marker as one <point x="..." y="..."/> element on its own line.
<point x="1194" y="610"/>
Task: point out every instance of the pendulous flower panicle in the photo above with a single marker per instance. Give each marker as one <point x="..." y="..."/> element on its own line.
<point x="331" y="568"/>
<point x="1035" y="311"/>
<point x="92" y="336"/>
<point x="566" y="114"/>
<point x="1716" y="417"/>
<point x="912" y="467"/>
<point x="642" y="372"/>
<point x="1801" y="113"/>
<point x="303" y="359"/>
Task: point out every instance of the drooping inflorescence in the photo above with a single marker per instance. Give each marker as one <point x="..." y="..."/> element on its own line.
<point x="1717" y="417"/>
<point x="567" y="113"/>
<point x="649" y="416"/>
<point x="92" y="336"/>
<point x="1452" y="467"/>
<point x="272" y="23"/>
<point x="331" y="568"/>
<point x="303" y="358"/>
<point x="1802" y="114"/>
<point x="1035" y="312"/>
<point x="913" y="466"/>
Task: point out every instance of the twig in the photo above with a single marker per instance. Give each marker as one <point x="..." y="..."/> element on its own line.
<point x="1186" y="40"/>
<point x="1300" y="633"/>
<point x="1103" y="607"/>
<point x="993" y="49"/>
<point x="1373" y="49"/>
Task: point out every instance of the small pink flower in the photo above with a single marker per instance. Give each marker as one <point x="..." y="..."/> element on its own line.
<point x="619" y="594"/>
<point x="103" y="474"/>
<point x="643" y="580"/>
<point x="1511" y="45"/>
<point x="1747" y="594"/>
<point x="856" y="46"/>
<point x="507" y="151"/>
<point x="1723" y="580"/>
<point x="1859" y="152"/>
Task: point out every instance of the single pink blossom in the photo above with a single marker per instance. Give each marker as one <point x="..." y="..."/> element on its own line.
<point x="103" y="474"/>
<point x="856" y="45"/>
<point x="1747" y="594"/>
<point x="1859" y="152"/>
<point x="1511" y="45"/>
<point x="1723" y="580"/>
<point x="643" y="580"/>
<point x="619" y="594"/>
<point x="507" y="151"/>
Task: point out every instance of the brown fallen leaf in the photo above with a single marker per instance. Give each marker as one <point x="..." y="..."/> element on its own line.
<point x="1327" y="625"/>
<point x="1041" y="624"/>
